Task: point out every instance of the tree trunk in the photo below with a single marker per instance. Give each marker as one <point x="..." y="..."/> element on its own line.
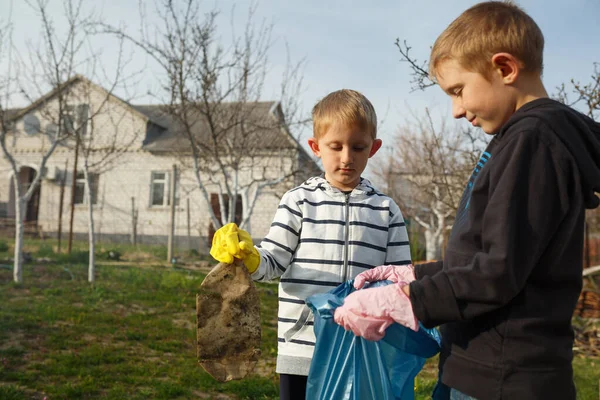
<point x="20" y="205"/>
<point x="91" y="233"/>
<point x="73" y="186"/>
<point x="430" y="244"/>
<point x="63" y="181"/>
<point x="439" y="245"/>
<point x="92" y="244"/>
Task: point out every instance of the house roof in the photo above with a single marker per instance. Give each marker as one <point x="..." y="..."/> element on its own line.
<point x="9" y="113"/>
<point x="262" y="122"/>
<point x="166" y="134"/>
<point x="14" y="114"/>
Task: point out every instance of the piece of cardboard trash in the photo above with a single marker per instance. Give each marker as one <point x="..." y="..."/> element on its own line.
<point x="228" y="323"/>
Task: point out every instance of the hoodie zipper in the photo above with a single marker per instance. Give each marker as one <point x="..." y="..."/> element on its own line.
<point x="346" y="237"/>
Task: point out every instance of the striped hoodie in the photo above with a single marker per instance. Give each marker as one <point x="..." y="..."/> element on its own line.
<point x="320" y="237"/>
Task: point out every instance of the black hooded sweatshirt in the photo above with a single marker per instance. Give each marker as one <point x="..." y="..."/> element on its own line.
<point x="512" y="272"/>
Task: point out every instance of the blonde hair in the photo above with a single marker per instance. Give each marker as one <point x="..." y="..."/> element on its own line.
<point x="486" y="29"/>
<point x="345" y="106"/>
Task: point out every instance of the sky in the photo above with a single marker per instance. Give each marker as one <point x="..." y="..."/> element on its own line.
<point x="350" y="44"/>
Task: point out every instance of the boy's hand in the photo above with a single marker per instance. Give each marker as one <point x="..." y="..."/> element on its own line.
<point x="369" y="312"/>
<point x="230" y="242"/>
<point x="394" y="273"/>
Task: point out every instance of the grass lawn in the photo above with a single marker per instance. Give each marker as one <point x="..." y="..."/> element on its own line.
<point x="132" y="336"/>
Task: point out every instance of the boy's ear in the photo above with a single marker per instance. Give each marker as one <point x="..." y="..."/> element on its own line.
<point x="508" y="66"/>
<point x="375" y="146"/>
<point x="314" y="146"/>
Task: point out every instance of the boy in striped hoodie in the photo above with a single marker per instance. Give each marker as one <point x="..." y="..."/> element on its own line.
<point x="325" y="231"/>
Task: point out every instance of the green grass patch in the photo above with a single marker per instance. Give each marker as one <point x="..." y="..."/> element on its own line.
<point x="131" y="335"/>
<point x="587" y="378"/>
<point x="3" y="246"/>
<point x="47" y="249"/>
<point x="11" y="392"/>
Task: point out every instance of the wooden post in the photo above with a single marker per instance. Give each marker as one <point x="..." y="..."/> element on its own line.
<point x="134" y="217"/>
<point x="172" y="222"/>
<point x="63" y="181"/>
<point x="73" y="186"/>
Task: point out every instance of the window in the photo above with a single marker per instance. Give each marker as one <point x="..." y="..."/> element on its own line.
<point x="159" y="189"/>
<point x="81" y="193"/>
<point x="76" y="118"/>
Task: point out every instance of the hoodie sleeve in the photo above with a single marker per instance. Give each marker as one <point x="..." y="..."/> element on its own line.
<point x="398" y="247"/>
<point x="428" y="269"/>
<point x="521" y="203"/>
<point x="278" y="247"/>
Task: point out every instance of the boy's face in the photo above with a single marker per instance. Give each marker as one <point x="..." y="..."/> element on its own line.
<point x="344" y="152"/>
<point x="487" y="103"/>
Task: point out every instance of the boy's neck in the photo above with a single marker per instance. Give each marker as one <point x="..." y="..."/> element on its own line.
<point x="529" y="88"/>
<point x="343" y="190"/>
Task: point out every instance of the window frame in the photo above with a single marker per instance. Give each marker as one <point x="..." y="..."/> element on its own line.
<point x="75" y="119"/>
<point x="80" y="200"/>
<point x="166" y="181"/>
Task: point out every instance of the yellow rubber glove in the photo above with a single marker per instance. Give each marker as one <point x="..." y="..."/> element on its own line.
<point x="249" y="254"/>
<point x="230" y="242"/>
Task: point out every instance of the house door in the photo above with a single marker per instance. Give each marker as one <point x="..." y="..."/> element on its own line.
<point x="214" y="203"/>
<point x="26" y="176"/>
<point x="31" y="215"/>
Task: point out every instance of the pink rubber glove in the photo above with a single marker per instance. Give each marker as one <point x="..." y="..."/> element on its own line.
<point x="369" y="312"/>
<point x="394" y="273"/>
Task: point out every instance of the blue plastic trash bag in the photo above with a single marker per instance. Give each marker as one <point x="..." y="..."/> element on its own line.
<point x="347" y="367"/>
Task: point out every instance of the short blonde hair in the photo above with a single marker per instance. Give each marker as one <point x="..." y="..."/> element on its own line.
<point x="486" y="29"/>
<point x="345" y="106"/>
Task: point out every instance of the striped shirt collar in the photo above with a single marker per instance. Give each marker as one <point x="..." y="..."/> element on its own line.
<point x="364" y="187"/>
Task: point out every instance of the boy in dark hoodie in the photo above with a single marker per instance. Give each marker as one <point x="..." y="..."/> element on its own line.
<point x="505" y="292"/>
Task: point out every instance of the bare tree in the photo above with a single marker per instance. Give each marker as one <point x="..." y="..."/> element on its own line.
<point x="96" y="133"/>
<point x="419" y="70"/>
<point x="588" y="93"/>
<point x="211" y="96"/>
<point x="426" y="174"/>
<point x="101" y="142"/>
<point x="46" y="76"/>
<point x="55" y="60"/>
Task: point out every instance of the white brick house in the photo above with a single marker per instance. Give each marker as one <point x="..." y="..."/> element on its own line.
<point x="140" y="176"/>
